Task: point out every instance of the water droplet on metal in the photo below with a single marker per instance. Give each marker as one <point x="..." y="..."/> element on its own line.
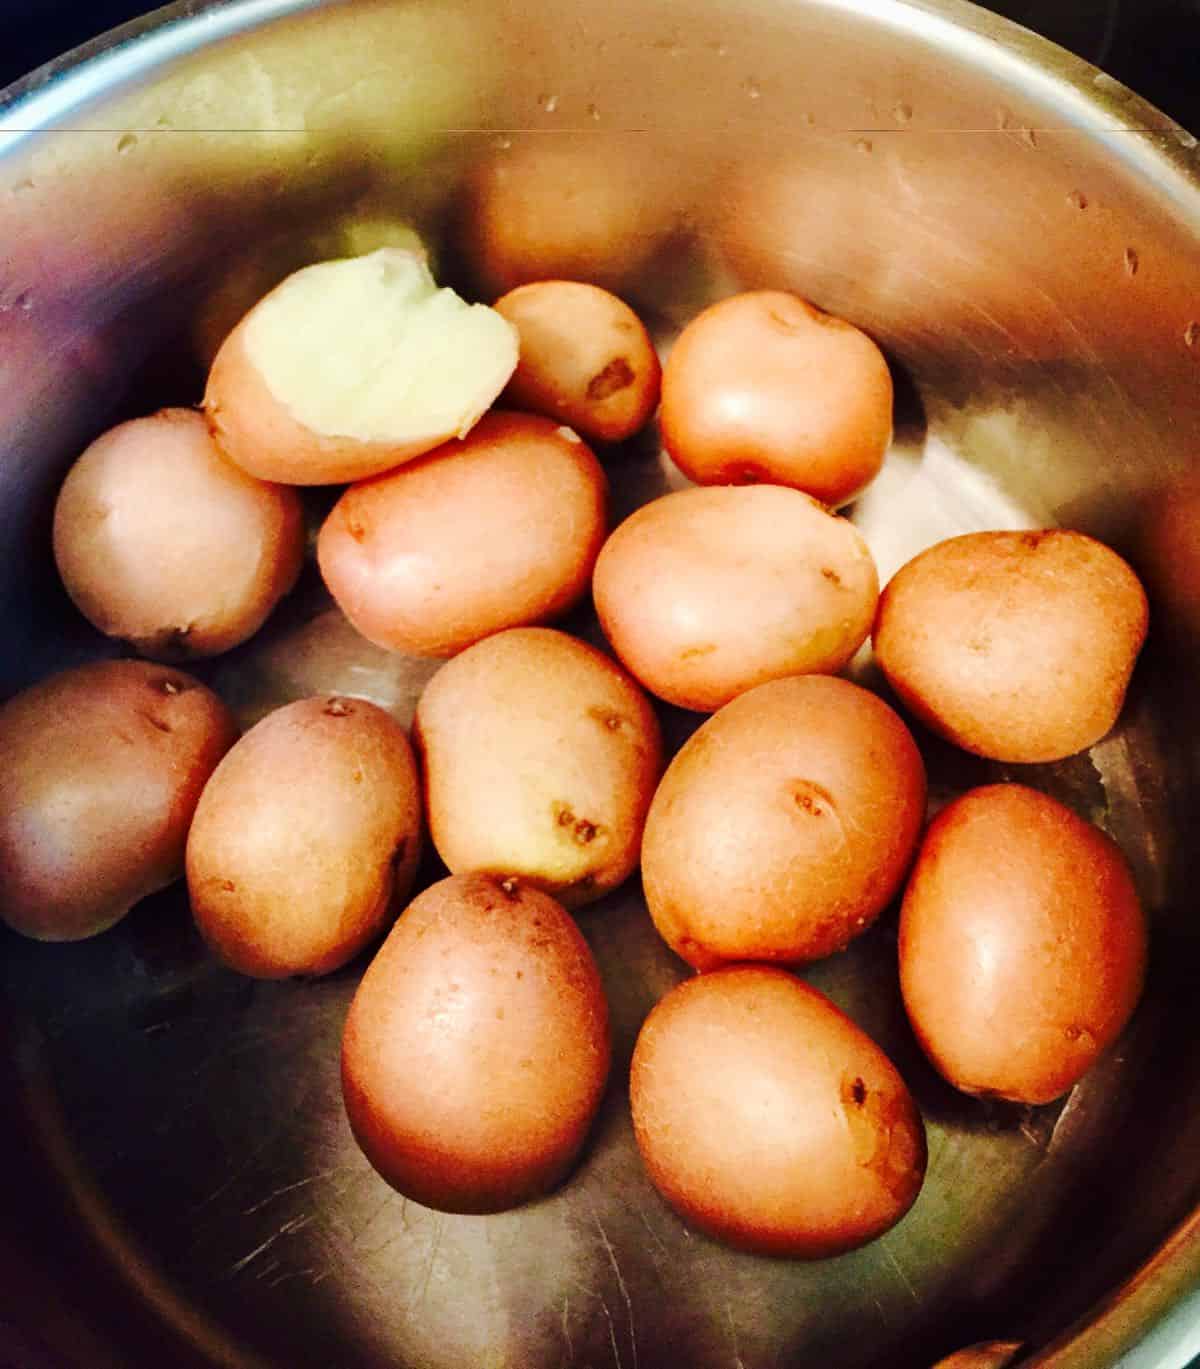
<point x="902" y="112"/>
<point x="502" y="142"/>
<point x="1131" y="261"/>
<point x="593" y="112"/>
<point x="752" y="88"/>
<point x="1102" y="81"/>
<point x="1186" y="140"/>
<point x="721" y="49"/>
<point x="24" y="302"/>
<point x="1191" y="334"/>
<point x="548" y="103"/>
<point x="1030" y="136"/>
<point x="1077" y="199"/>
<point x="810" y="120"/>
<point x="863" y="145"/>
<point x="126" y="143"/>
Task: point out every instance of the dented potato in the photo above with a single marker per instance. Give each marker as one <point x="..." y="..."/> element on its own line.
<point x="764" y="386"/>
<point x="705" y="593"/>
<point x="1022" y="944"/>
<point x="162" y="542"/>
<point x="476" y="1050"/>
<point x="585" y="358"/>
<point x="540" y="758"/>
<point x="352" y="367"/>
<point x="769" y="1120"/>
<point x="103" y="766"/>
<point x="784" y="825"/>
<point x="497" y="530"/>
<point x="1018" y="646"/>
<point x="306" y="839"/>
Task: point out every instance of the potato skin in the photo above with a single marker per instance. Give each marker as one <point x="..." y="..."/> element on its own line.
<point x="763" y="386"/>
<point x="540" y="758"/>
<point x="1018" y="646"/>
<point x="162" y="542"/>
<point x="306" y="839"/>
<point x="586" y="358"/>
<point x="1022" y="944"/>
<point x="769" y="1120"/>
<point x="784" y="825"/>
<point x="103" y="767"/>
<point x="477" y="1047"/>
<point x="705" y="593"/>
<point x="497" y="530"/>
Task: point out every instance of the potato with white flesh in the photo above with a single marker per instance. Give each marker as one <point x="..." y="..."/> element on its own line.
<point x="349" y="368"/>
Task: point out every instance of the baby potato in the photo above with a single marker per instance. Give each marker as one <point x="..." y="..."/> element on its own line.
<point x="1018" y="646"/>
<point x="769" y="1120"/>
<point x="540" y="758"/>
<point x="499" y="529"/>
<point x="477" y="1047"/>
<point x="764" y="386"/>
<point x="306" y="839"/>
<point x="1022" y="944"/>
<point x="162" y="542"/>
<point x="351" y="367"/>
<point x="784" y="825"/>
<point x="705" y="593"/>
<point x="103" y="767"/>
<point x="585" y="358"/>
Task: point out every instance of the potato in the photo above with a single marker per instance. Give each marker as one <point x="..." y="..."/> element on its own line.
<point x="763" y="386"/>
<point x="162" y="542"/>
<point x="103" y="766"/>
<point x="352" y="367"/>
<point x="1014" y="645"/>
<point x="306" y="839"/>
<point x="784" y="825"/>
<point x="477" y="1047"/>
<point x="499" y="529"/>
<point x="1022" y="944"/>
<point x="705" y="593"/>
<point x="585" y="358"/>
<point x="766" y="1118"/>
<point x="540" y="759"/>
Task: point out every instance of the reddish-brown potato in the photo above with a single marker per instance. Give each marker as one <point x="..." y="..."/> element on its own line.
<point x="1014" y="645"/>
<point x="765" y="387"/>
<point x="497" y="530"/>
<point x="162" y="542"/>
<point x="306" y="839"/>
<point x="784" y="825"/>
<point x="585" y="358"/>
<point x="477" y="1047"/>
<point x="102" y="769"/>
<point x="769" y="1120"/>
<point x="1022" y="944"/>
<point x="705" y="593"/>
<point x="540" y="758"/>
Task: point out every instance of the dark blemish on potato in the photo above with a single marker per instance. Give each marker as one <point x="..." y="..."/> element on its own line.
<point x="979" y="645"/>
<point x="614" y="722"/>
<point x="811" y="798"/>
<point x="1033" y="540"/>
<point x="831" y="575"/>
<point x="565" y="817"/>
<point x="356" y="529"/>
<point x="858" y="1092"/>
<point x="499" y="1014"/>
<point x="338" y="708"/>
<point x="704" y="649"/>
<point x="788" y="325"/>
<point x="510" y="889"/>
<point x="228" y="886"/>
<point x="520" y="974"/>
<point x="585" y="832"/>
<point x="616" y="376"/>
<point x="749" y="473"/>
<point x="357" y="777"/>
<point x="401" y="851"/>
<point x="159" y="723"/>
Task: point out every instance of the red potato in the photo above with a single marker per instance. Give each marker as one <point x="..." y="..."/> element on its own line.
<point x="769" y="1120"/>
<point x="585" y="358"/>
<point x="163" y="543"/>
<point x="1022" y="944"/>
<point x="765" y="387"/>
<point x="477" y="1047"/>
<point x="494" y="531"/>
<point x="103" y="768"/>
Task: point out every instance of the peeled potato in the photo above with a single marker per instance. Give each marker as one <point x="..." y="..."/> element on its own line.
<point x="769" y="1120"/>
<point x="540" y="759"/>
<point x="477" y="1047"/>
<point x="306" y="838"/>
<point x="102" y="769"/>
<point x="1014" y="645"/>
<point x="784" y="825"/>
<point x="497" y="530"/>
<point x="352" y="367"/>
<point x="162" y="542"/>
<point x="1022" y="944"/>
<point x="585" y="358"/>
<point x="764" y="386"/>
<point x="705" y="593"/>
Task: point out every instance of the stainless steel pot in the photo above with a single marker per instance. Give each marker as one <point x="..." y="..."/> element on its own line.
<point x="1020" y="233"/>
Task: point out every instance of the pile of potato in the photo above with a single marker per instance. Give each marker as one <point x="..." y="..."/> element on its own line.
<point x="477" y="1047"/>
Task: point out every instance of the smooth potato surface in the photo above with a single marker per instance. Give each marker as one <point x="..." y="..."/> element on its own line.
<point x="784" y="825"/>
<point x="102" y="769"/>
<point x="306" y="839"/>
<point x="477" y="1047"/>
